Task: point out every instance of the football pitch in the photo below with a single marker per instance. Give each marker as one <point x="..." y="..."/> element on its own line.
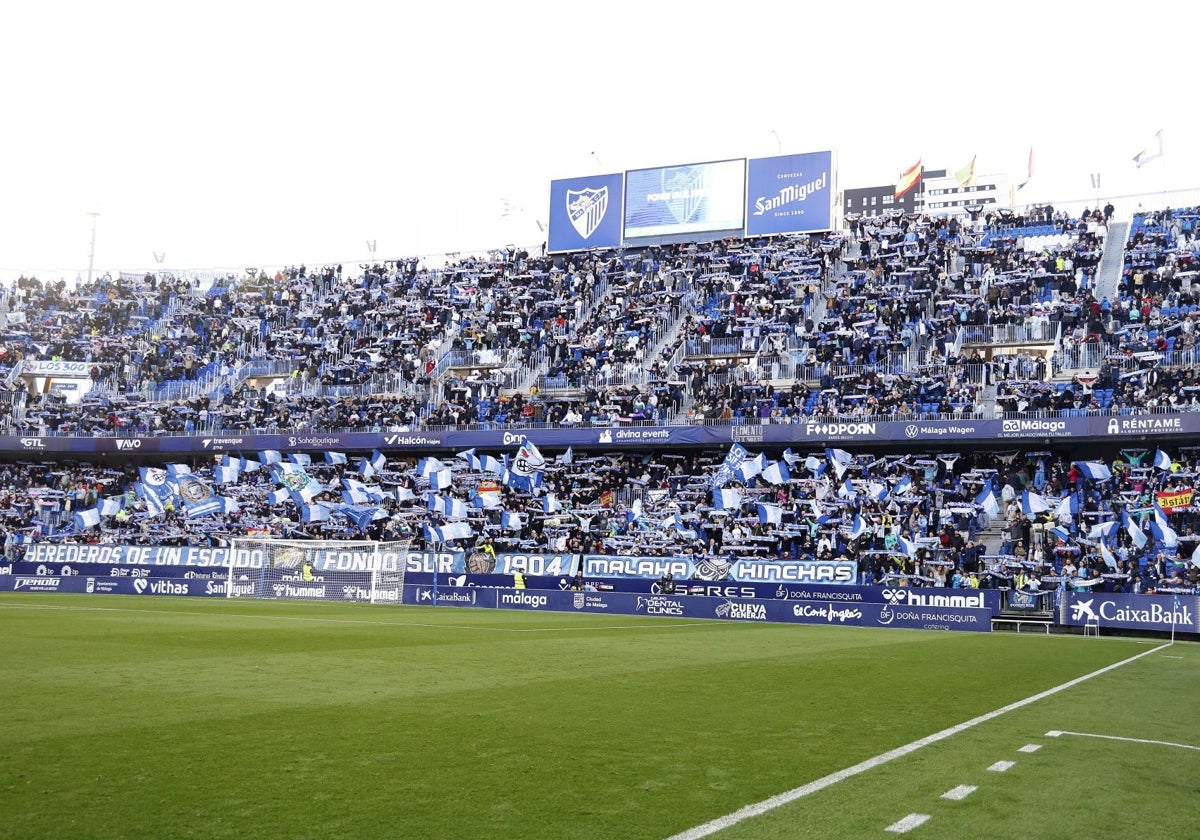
<point x="209" y="718"/>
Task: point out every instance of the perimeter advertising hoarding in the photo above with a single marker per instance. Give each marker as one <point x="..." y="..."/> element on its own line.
<point x="1102" y="427"/>
<point x="678" y="200"/>
<point x="789" y="194"/>
<point x="585" y="213"/>
<point x="1132" y="612"/>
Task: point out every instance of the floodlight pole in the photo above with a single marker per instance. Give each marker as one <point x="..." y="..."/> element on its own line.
<point x="778" y="142"/>
<point x="92" y="252"/>
<point x="371" y="247"/>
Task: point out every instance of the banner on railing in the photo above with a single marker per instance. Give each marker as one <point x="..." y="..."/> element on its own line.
<point x="1102" y="427"/>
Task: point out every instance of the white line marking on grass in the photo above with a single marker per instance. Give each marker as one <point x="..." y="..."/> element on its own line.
<point x="960" y="793"/>
<point x="1030" y="748"/>
<point x="907" y="824"/>
<point x="1002" y="766"/>
<point x="1055" y="733"/>
<point x="721" y="823"/>
<point x="652" y="623"/>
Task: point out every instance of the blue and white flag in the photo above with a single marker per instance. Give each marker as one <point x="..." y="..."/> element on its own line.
<point x="1068" y="506"/>
<point x="904" y="486"/>
<point x="567" y="458"/>
<point x="177" y="471"/>
<point x="1094" y="470"/>
<point x="441" y="480"/>
<point x="847" y="491"/>
<point x="769" y="514"/>
<point x="1162" y="460"/>
<point x="226" y="475"/>
<point x="1061" y="532"/>
<point x="840" y="459"/>
<point x="110" y="505"/>
<point x="336" y="458"/>
<point x="278" y="496"/>
<point x="1033" y="503"/>
<point x="877" y="490"/>
<point x="88" y="518"/>
<point x="987" y="499"/>
<point x="791" y="458"/>
<point x="427" y="466"/>
<point x="776" y="472"/>
<point x="1104" y="529"/>
<point x="470" y="457"/>
<point x="1135" y="532"/>
<point x="210" y="506"/>
<point x="487" y="501"/>
<point x="1161" y="528"/>
<point x="314" y="513"/>
<point x="726" y="499"/>
<point x="301" y="458"/>
<point x="815" y="466"/>
<point x="448" y="532"/>
<point x="1107" y="556"/>
<point x="270" y="456"/>
<point x="528" y="461"/>
<point x="354" y="496"/>
<point x="450" y="508"/>
<point x="750" y="468"/>
<point x="511" y="521"/>
<point x="858" y="527"/>
<point x="906" y="546"/>
<point x="550" y="503"/>
<point x="733" y="459"/>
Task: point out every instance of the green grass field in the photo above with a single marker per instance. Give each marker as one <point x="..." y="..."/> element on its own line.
<point x="207" y="718"/>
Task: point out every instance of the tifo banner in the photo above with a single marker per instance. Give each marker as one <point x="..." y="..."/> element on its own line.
<point x="585" y="213"/>
<point x="789" y="194"/>
<point x="686" y="606"/>
<point x="1132" y="612"/>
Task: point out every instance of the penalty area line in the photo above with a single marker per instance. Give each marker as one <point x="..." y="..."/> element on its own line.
<point x="779" y="800"/>
<point x="1054" y="733"/>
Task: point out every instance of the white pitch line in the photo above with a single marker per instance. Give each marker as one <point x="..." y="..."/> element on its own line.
<point x="1002" y="766"/>
<point x="960" y="793"/>
<point x="1054" y="733"/>
<point x="907" y="824"/>
<point x="1030" y="748"/>
<point x="766" y="805"/>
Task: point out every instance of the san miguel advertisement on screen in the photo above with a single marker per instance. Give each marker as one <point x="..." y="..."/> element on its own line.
<point x="789" y="194"/>
<point x="585" y="213"/>
<point x="676" y="200"/>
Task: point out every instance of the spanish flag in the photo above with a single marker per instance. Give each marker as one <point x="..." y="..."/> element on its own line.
<point x="909" y="179"/>
<point x="966" y="175"/>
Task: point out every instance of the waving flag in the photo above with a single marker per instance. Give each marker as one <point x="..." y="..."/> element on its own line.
<point x="770" y="514"/>
<point x="550" y="503"/>
<point x="1068" y="506"/>
<point x="726" y="499"/>
<point x="567" y="458"/>
<point x="336" y="458"/>
<point x="1107" y="556"/>
<point x="906" y="546"/>
<point x="110" y="505"/>
<point x="301" y="458"/>
<point x="528" y="461"/>
<point x="877" y="490"/>
<point x="987" y="499"/>
<point x="1161" y="528"/>
<point x="909" y="179"/>
<point x="1135" y="532"/>
<point x="1104" y="529"/>
<point x="448" y="532"/>
<point x="226" y="475"/>
<point x="441" y="480"/>
<point x="814" y="465"/>
<point x="858" y="527"/>
<point x="487" y="501"/>
<point x="904" y="486"/>
<point x="1162" y="460"/>
<point x="847" y="491"/>
<point x="270" y="456"/>
<point x="1033" y="504"/>
<point x="737" y="453"/>
<point x="840" y="459"/>
<point x="791" y="458"/>
<point x="750" y="468"/>
<point x="278" y="496"/>
<point x="1061" y="532"/>
<point x="776" y="472"/>
<point x="511" y="521"/>
<point x="1094" y="470"/>
<point x="314" y="513"/>
<point x="85" y="519"/>
<point x="1152" y="151"/>
<point x="451" y="508"/>
<point x="178" y="471"/>
<point x="210" y="506"/>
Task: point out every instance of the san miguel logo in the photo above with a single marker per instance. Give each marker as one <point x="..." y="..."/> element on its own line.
<point x="586" y="209"/>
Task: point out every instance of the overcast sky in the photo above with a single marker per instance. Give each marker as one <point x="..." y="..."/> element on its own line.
<point x="235" y="134"/>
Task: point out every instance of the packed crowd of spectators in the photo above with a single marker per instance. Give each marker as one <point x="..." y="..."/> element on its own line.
<point x="764" y="331"/>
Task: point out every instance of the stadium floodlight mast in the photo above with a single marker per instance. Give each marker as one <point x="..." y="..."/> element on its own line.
<point x="92" y="252"/>
<point x="371" y="243"/>
<point x="599" y="168"/>
<point x="778" y="142"/>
